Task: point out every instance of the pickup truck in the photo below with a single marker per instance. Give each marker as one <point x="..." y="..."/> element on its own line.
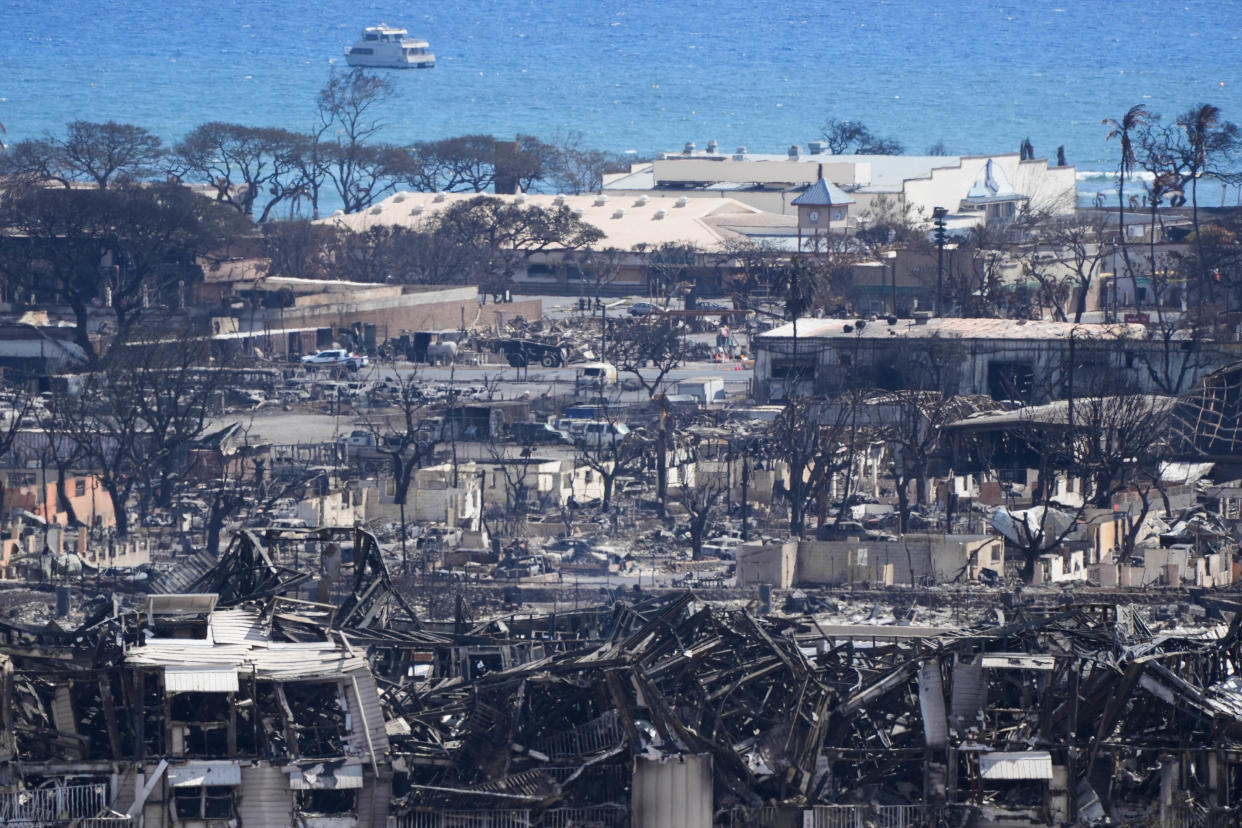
<point x="334" y="357"/>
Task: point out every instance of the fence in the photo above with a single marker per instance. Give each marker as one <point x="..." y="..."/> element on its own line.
<point x="119" y="821"/>
<point x="868" y="816"/>
<point x="51" y="805"/>
<point x="466" y="819"/>
<point x="603" y="816"/>
<point x="1182" y="815"/>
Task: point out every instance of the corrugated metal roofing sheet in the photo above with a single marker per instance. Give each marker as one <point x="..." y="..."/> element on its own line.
<point x="318" y="778"/>
<point x="951" y="327"/>
<point x="1029" y="764"/>
<point x="187" y="571"/>
<point x="235" y="626"/>
<point x="200" y="680"/>
<point x="194" y="774"/>
<point x="270" y="661"/>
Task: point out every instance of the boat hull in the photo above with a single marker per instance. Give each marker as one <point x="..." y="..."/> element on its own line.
<point x="370" y="62"/>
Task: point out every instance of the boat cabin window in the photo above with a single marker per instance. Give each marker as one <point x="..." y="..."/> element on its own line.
<point x="372" y="37"/>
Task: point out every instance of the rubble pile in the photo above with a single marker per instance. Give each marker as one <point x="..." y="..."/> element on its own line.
<point x="726" y="713"/>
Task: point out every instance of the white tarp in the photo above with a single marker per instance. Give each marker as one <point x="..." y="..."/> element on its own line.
<point x="1027" y="764"/>
<point x="195" y="774"/>
<point x="1020" y="527"/>
<point x="319" y="777"/>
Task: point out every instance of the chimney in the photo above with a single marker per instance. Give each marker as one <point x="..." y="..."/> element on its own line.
<point x="712" y="147"/>
<point x="793" y="152"/>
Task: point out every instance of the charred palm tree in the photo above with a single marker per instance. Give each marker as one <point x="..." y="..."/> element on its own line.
<point x="1135" y="117"/>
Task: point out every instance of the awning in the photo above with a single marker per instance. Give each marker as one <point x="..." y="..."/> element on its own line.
<point x="321" y="777"/>
<point x="1018" y="661"/>
<point x="1027" y="764"/>
<point x="200" y="680"/>
<point x="194" y="774"/>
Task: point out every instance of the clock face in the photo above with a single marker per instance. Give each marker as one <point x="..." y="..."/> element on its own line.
<point x="813" y="215"/>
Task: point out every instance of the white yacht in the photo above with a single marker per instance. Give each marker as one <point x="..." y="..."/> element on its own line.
<point x="388" y="47"/>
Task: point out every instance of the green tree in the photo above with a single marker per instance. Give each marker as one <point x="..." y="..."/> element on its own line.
<point x="845" y="137"/>
<point x="126" y="247"/>
<point x="104" y="155"/>
<point x="248" y="167"/>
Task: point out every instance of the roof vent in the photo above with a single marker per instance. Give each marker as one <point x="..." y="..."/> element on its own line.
<point x="688" y="149"/>
<point x="398" y="198"/>
<point x="793" y="151"/>
<point x="418" y="209"/>
<point x="560" y="199"/>
<point x="375" y="211"/>
<point x="520" y="199"/>
<point x="740" y="150"/>
<point x="659" y="214"/>
<point x="712" y="147"/>
<point x="579" y="212"/>
<point x="336" y="213"/>
<point x="619" y="213"/>
<point x="642" y="201"/>
<point x="816" y="147"/>
<point x="681" y="201"/>
<point x="921" y="317"/>
<point x="848" y="328"/>
<point x="439" y="198"/>
<point x="601" y="200"/>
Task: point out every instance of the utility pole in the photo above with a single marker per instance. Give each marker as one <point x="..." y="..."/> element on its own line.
<point x="745" y="482"/>
<point x="662" y="457"/>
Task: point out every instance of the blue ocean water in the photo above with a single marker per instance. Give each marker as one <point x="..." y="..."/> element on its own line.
<point x="979" y="75"/>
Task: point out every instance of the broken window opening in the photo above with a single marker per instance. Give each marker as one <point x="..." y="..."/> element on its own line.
<point x="203" y="802"/>
<point x="191" y="627"/>
<point x="803" y="368"/>
<point x="203" y="719"/>
<point x="320" y="710"/>
<point x="331" y="802"/>
<point x="152" y="713"/>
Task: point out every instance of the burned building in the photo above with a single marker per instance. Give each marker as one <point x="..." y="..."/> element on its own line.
<point x="191" y="714"/>
<point x="1002" y="358"/>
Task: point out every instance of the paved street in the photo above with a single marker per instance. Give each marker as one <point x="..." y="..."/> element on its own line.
<point x="272" y="424"/>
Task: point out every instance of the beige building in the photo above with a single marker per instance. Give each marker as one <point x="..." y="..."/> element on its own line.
<point x="550" y="483"/>
<point x="914" y="559"/>
<point x="632" y="226"/>
<point x="439" y="494"/>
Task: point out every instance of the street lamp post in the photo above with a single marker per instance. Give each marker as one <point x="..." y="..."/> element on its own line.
<point x="938" y="215"/>
<point x="891" y="266"/>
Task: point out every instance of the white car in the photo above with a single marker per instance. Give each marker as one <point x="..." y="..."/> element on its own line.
<point x="333" y="357"/>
